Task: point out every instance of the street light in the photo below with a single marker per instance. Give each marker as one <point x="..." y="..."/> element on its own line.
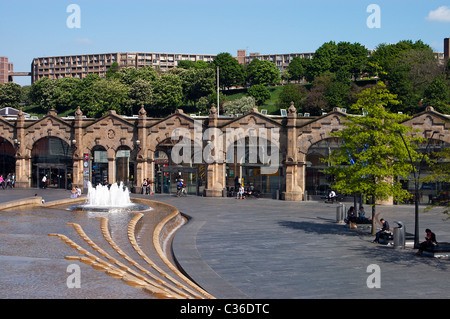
<point x="416" y="186"/>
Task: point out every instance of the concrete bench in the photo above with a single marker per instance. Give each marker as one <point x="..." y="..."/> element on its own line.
<point x="441" y="250"/>
<point x="386" y="237"/>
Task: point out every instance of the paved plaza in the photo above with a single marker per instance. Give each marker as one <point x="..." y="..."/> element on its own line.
<point x="252" y="249"/>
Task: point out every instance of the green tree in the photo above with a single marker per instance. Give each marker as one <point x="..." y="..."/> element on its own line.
<point x="262" y="72"/>
<point x="297" y="68"/>
<point x="322" y="61"/>
<point x="42" y="93"/>
<point x="337" y="91"/>
<point x="373" y="155"/>
<point x="108" y="95"/>
<point x="10" y="94"/>
<point x="197" y="82"/>
<point x="440" y="166"/>
<point x="113" y="71"/>
<point x="351" y="58"/>
<point x="129" y="75"/>
<point x="259" y="92"/>
<point x="408" y="76"/>
<point x="292" y="93"/>
<point x="167" y="94"/>
<point x="231" y="72"/>
<point x="315" y="102"/>
<point x="347" y="57"/>
<point x="140" y="93"/>
<point x="65" y="94"/>
<point x="84" y="94"/>
<point x="437" y="94"/>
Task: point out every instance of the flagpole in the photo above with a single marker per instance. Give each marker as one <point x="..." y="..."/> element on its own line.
<point x="218" y="105"/>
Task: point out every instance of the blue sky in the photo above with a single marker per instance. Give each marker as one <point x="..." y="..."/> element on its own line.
<point x="30" y="29"/>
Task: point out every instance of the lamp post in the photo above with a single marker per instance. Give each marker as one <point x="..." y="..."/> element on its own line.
<point x="416" y="186"/>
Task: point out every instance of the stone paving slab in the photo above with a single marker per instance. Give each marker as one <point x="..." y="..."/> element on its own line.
<point x="270" y="249"/>
<point x="276" y="249"/>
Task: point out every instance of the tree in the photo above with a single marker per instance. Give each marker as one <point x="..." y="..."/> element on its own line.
<point x="384" y="55"/>
<point x="315" y="102"/>
<point x="373" y="155"/>
<point x="108" y="95"/>
<point x="113" y="71"/>
<point x="64" y="95"/>
<point x="10" y="94"/>
<point x="140" y="93"/>
<point x="197" y="82"/>
<point x="409" y="75"/>
<point x="437" y="94"/>
<point x="440" y="166"/>
<point x="129" y="75"/>
<point x="231" y="72"/>
<point x="167" y="93"/>
<point x="42" y="93"/>
<point x="297" y="68"/>
<point x="337" y="91"/>
<point x="84" y="94"/>
<point x="262" y="72"/>
<point x="350" y="58"/>
<point x="292" y="93"/>
<point x="332" y="58"/>
<point x="259" y="92"/>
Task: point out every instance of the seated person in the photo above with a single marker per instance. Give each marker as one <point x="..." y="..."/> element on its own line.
<point x="383" y="229"/>
<point x="361" y="215"/>
<point x="240" y="194"/>
<point x="331" y="195"/>
<point x="351" y="216"/>
<point x="430" y="241"/>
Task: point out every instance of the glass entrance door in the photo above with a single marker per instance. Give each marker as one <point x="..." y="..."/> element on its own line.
<point x="169" y="175"/>
<point x="56" y="177"/>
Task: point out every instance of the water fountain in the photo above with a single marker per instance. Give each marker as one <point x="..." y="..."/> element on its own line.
<point x="106" y="198"/>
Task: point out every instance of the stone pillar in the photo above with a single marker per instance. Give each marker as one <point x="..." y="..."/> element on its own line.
<point x="216" y="170"/>
<point x="23" y="160"/>
<point x="78" y="150"/>
<point x="294" y="170"/>
<point x="142" y="170"/>
<point x="111" y="166"/>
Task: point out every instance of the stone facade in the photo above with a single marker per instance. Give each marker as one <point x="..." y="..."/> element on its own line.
<point x="142" y="136"/>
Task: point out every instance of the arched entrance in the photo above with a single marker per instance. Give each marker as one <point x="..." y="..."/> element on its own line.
<point x="430" y="189"/>
<point x="52" y="157"/>
<point x="167" y="172"/>
<point x="7" y="160"/>
<point x="245" y="166"/>
<point x="317" y="181"/>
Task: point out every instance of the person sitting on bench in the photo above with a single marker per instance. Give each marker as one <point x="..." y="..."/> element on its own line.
<point x="430" y="241"/>
<point x="331" y="195"/>
<point x="383" y="229"/>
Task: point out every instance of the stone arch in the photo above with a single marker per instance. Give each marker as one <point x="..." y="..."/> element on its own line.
<point x="7" y="157"/>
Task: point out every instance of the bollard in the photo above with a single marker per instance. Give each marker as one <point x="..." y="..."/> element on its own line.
<point x="340" y="209"/>
<point x="399" y="236"/>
